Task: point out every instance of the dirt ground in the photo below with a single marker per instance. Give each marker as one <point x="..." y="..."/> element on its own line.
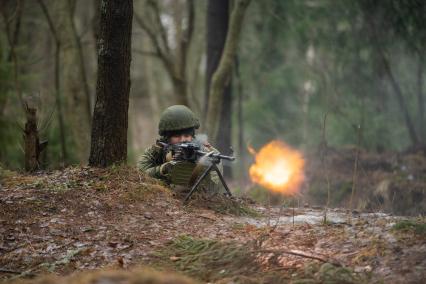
<point x="80" y="219"/>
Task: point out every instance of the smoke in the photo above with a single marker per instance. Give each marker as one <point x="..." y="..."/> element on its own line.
<point x="202" y="138"/>
<point x="205" y="161"/>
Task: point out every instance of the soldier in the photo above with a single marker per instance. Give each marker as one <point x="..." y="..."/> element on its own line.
<point x="177" y="124"/>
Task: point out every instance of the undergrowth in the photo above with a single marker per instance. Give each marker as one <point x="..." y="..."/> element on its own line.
<point x="233" y="262"/>
<point x="224" y="205"/>
<point x="212" y="260"/>
<point x="328" y="273"/>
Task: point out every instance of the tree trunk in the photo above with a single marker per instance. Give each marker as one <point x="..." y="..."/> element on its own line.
<point x="31" y="141"/>
<point x="420" y="99"/>
<point x="401" y="101"/>
<point x="110" y="120"/>
<point x="12" y="36"/>
<point x="224" y="134"/>
<point x="59" y="103"/>
<point x="57" y="82"/>
<point x="180" y="91"/>
<point x="33" y="148"/>
<point x="240" y="119"/>
<point x="81" y="65"/>
<point x="217" y="28"/>
<point x="75" y="88"/>
<point x="221" y="76"/>
<point x="387" y="69"/>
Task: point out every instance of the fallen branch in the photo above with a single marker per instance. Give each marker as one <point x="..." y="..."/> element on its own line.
<point x="5" y="270"/>
<point x="20" y="274"/>
<point x="292" y="252"/>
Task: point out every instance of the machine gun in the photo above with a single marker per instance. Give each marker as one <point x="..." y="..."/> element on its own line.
<point x="191" y="152"/>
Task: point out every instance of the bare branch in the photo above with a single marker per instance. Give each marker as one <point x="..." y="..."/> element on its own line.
<point x="157" y="15"/>
<point x="49" y="21"/>
<point x="145" y="53"/>
<point x="161" y="54"/>
<point x="297" y="253"/>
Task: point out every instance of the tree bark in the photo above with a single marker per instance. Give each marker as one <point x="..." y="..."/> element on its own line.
<point x="240" y="119"/>
<point x="217" y="28"/>
<point x="221" y="76"/>
<point x="33" y="147"/>
<point x="110" y="117"/>
<point x="31" y="141"/>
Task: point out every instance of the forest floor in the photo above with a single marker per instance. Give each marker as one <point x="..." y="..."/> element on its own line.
<point x="78" y="219"/>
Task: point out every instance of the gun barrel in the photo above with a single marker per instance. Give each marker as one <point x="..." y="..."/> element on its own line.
<point x="218" y="156"/>
<point x="196" y="149"/>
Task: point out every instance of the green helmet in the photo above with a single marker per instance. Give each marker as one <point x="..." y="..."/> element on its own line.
<point x="176" y="118"/>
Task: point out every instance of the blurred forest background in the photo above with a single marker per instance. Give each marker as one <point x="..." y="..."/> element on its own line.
<point x="313" y="73"/>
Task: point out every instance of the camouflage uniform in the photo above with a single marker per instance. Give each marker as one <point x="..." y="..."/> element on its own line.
<point x="154" y="156"/>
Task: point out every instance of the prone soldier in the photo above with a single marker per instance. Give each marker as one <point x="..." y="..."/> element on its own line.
<point x="177" y="127"/>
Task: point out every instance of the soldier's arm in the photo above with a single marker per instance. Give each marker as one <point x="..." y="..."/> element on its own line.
<point x="150" y="162"/>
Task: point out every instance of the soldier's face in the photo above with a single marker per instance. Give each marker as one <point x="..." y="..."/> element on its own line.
<point x="180" y="138"/>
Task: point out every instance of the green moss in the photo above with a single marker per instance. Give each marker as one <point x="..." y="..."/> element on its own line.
<point x="418" y="227"/>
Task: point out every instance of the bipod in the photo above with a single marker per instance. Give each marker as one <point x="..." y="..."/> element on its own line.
<point x="212" y="167"/>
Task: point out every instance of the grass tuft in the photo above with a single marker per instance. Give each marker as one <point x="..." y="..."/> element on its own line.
<point x="418" y="227"/>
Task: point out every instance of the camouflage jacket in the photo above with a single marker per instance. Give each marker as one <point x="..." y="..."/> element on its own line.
<point x="154" y="156"/>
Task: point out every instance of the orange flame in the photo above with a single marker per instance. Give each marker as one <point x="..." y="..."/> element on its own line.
<point x="278" y="167"/>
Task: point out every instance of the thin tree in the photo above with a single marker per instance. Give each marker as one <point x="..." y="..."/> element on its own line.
<point x="12" y="36"/>
<point x="110" y="116"/>
<point x="82" y="66"/>
<point x="57" y="82"/>
<point x="222" y="74"/>
<point x="379" y="26"/>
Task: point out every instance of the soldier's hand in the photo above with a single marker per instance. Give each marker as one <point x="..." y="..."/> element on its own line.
<point x="166" y="168"/>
